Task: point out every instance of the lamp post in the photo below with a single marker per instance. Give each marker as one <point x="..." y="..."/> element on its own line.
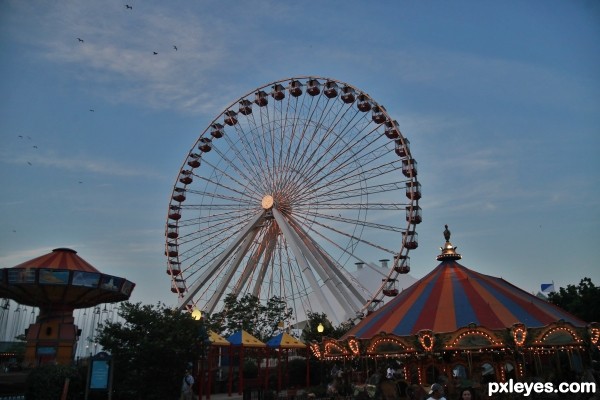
<point x="320" y="329"/>
<point x="202" y="339"/>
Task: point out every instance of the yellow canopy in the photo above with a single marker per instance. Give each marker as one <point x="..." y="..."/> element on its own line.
<point x="216" y="339"/>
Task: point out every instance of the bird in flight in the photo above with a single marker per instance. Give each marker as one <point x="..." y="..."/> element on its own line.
<point x="80" y="40"/>
<point x="175" y="47"/>
<point x="29" y="163"/>
<point x="155" y="53"/>
<point x="35" y="147"/>
<point x="91" y="109"/>
<point x="128" y="7"/>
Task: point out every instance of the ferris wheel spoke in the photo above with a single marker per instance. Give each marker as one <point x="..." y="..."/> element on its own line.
<point x="315" y="143"/>
<point x="249" y="158"/>
<point x="355" y="238"/>
<point x="221" y="172"/>
<point x="310" y="166"/>
<point x="341" y="194"/>
<point x="390" y="228"/>
<point x="238" y="200"/>
<point x="297" y="132"/>
<point x="307" y="142"/>
<point x="355" y="206"/>
<point x="245" y="150"/>
<point x="345" y="171"/>
<point x="208" y="244"/>
<point x="221" y="228"/>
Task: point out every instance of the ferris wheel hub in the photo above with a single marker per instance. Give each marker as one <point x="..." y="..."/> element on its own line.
<point x="267" y="202"/>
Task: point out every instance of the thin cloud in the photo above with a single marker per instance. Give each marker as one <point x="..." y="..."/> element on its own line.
<point x="80" y="163"/>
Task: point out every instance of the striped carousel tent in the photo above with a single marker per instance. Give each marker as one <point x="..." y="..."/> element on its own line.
<point x="456" y="325"/>
<point x="452" y="296"/>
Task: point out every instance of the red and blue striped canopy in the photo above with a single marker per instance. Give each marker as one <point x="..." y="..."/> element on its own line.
<point x="451" y="297"/>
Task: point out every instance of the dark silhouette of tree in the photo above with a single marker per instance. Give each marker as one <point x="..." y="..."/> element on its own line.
<point x="247" y="312"/>
<point x="583" y="300"/>
<point x="310" y="332"/>
<point x="151" y="350"/>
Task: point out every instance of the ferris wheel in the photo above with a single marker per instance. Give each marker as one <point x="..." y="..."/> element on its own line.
<point x="287" y="191"/>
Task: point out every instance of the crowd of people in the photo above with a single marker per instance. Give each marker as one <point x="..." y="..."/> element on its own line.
<point x="389" y="384"/>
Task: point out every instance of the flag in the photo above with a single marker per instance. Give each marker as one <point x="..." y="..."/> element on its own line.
<point x="548" y="287"/>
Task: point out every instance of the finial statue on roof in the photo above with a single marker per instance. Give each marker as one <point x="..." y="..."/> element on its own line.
<point x="448" y="251"/>
<point x="447" y="234"/>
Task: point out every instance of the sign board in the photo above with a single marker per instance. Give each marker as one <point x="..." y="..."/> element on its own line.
<point x="100" y="374"/>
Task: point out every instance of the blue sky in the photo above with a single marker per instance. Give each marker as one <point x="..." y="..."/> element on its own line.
<point x="499" y="100"/>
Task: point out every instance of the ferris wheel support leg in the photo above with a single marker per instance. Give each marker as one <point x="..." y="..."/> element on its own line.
<point x="263" y="269"/>
<point x="214" y="299"/>
<point x="219" y="261"/>
<point x="302" y="256"/>
<point x="354" y="298"/>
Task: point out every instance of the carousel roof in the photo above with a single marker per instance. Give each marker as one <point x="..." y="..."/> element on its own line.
<point x="452" y="297"/>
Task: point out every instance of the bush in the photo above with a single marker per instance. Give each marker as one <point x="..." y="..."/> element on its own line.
<point x="47" y="382"/>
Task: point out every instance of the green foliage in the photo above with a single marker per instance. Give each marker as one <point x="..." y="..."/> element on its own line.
<point x="310" y="333"/>
<point x="296" y="373"/>
<point x="151" y="349"/>
<point x="583" y="300"/>
<point x="47" y="382"/>
<point x="247" y="313"/>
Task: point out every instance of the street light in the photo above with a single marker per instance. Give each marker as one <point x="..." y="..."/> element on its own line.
<point x="320" y="329"/>
<point x="203" y="338"/>
<point x="197" y="314"/>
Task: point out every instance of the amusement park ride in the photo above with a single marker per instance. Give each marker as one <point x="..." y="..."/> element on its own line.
<point x="285" y="190"/>
<point x="58" y="283"/>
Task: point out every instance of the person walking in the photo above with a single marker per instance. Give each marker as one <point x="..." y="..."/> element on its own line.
<point x="186" y="386"/>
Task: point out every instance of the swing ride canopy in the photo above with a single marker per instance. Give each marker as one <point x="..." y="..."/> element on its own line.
<point x="62" y="278"/>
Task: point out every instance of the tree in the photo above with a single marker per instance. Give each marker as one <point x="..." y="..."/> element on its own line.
<point x="151" y="350"/>
<point x="47" y="382"/>
<point x="583" y="300"/>
<point x="310" y="333"/>
<point x="247" y="313"/>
